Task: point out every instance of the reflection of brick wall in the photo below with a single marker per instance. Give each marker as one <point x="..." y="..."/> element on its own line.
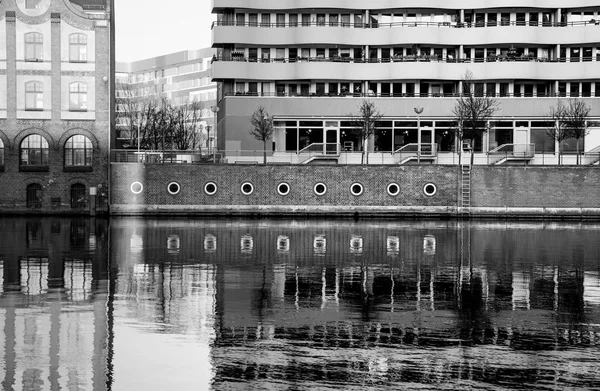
<point x="549" y="187"/>
<point x="301" y="180"/>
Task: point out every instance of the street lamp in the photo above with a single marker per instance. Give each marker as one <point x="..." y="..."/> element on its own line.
<point x="419" y="110"/>
<point x="215" y="110"/>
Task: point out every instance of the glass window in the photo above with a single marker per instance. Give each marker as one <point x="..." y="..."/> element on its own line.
<point x="78" y="196"/>
<point x="33" y="46"/>
<point x="34" y="151"/>
<point x="78" y="151"/>
<point x="78" y="96"/>
<point x="78" y="48"/>
<point x="34" y="195"/>
<point x="34" y="95"/>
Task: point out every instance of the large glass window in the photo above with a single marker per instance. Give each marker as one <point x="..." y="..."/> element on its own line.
<point x="34" y="43"/>
<point x="34" y="151"/>
<point x="34" y="95"/>
<point x="78" y="96"/>
<point x="34" y="195"/>
<point x="78" y="48"/>
<point x="78" y="151"/>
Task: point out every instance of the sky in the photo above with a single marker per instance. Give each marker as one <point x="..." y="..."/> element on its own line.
<point x="149" y="28"/>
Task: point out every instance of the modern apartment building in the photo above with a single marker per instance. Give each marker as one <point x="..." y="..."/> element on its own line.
<point x="311" y="63"/>
<point x="55" y="105"/>
<point x="180" y="77"/>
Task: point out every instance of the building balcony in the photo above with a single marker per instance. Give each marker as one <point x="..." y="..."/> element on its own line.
<point x="219" y="5"/>
<point x="404" y="68"/>
<point x="404" y="33"/>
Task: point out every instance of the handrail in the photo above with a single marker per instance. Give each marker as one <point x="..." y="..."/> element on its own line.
<point x="398" y="95"/>
<point x="377" y="24"/>
<point x="423" y="149"/>
<point x="514" y="150"/>
<point x="323" y="148"/>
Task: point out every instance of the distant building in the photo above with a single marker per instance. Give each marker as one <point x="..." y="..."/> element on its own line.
<point x="311" y="64"/>
<point x="180" y="77"/>
<point x="56" y="61"/>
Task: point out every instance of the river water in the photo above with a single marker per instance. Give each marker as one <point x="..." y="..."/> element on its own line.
<point x="156" y="304"/>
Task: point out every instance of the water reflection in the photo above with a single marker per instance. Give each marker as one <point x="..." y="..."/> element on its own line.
<point x="254" y="304"/>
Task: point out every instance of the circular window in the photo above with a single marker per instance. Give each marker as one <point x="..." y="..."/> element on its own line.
<point x="393" y="189"/>
<point x="283" y="189"/>
<point x="247" y="188"/>
<point x="356" y="189"/>
<point x="429" y="189"/>
<point x="210" y="188"/>
<point x="173" y="188"/>
<point x="136" y="187"/>
<point x="320" y="189"/>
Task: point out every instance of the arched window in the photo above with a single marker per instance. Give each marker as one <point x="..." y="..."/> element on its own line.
<point x="77" y="47"/>
<point x="78" y="96"/>
<point x="1" y="152"/>
<point x="34" y="151"/>
<point x="34" y="95"/>
<point x="34" y="195"/>
<point x="34" y="43"/>
<point x="78" y="196"/>
<point x="78" y="151"/>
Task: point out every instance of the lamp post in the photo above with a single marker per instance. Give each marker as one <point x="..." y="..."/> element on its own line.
<point x="215" y="110"/>
<point x="419" y="110"/>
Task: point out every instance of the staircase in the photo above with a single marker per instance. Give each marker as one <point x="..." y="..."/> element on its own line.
<point x="465" y="186"/>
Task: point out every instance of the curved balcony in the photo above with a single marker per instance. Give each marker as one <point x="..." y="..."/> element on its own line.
<point x="408" y="68"/>
<point x="438" y="34"/>
<point x="218" y="5"/>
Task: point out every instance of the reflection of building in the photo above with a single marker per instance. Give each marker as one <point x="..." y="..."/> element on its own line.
<point x="310" y="66"/>
<point x="55" y="326"/>
<point x="55" y="105"/>
<point x="179" y="77"/>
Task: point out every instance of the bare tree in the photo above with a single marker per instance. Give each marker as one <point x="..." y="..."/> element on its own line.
<point x="577" y="115"/>
<point x="262" y="128"/>
<point x="559" y="131"/>
<point x="365" y="121"/>
<point x="472" y="110"/>
<point x="186" y="130"/>
<point x="136" y="112"/>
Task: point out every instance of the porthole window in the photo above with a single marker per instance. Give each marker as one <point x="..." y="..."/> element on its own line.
<point x="173" y="188"/>
<point x="320" y="189"/>
<point x="429" y="189"/>
<point x="393" y="189"/>
<point x="210" y="188"/>
<point x="356" y="189"/>
<point x="247" y="188"/>
<point x="283" y="189"/>
<point x="136" y="187"/>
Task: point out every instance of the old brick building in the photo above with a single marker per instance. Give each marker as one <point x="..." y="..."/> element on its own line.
<point x="56" y="82"/>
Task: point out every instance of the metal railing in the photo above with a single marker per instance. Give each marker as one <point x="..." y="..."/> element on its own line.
<point x="160" y="157"/>
<point x="321" y="148"/>
<point x="240" y="57"/>
<point x="415" y="151"/>
<point x="377" y="24"/>
<point x="511" y="152"/>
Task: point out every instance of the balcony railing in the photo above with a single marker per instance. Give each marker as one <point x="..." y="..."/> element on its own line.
<point x="374" y="25"/>
<point x="415" y="151"/>
<point x="239" y="57"/>
<point x="404" y="95"/>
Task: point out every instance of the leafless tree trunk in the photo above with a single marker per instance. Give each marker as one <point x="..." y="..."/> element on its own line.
<point x="262" y="128"/>
<point x="365" y="121"/>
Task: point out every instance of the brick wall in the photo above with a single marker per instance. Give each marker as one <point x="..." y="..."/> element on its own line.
<point x="536" y="187"/>
<point x="496" y="191"/>
<point x="265" y="179"/>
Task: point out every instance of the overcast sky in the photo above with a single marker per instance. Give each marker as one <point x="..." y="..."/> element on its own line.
<point x="150" y="28"/>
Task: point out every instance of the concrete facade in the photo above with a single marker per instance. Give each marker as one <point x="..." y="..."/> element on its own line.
<point x="319" y="63"/>
<point x="54" y="116"/>
<point x="527" y="192"/>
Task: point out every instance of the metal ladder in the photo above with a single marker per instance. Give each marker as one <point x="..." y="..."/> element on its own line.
<point x="466" y="186"/>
